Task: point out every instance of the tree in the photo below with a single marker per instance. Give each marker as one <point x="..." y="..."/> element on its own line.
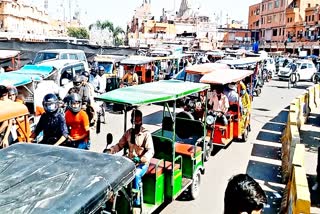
<point x="78" y="32"/>
<point x="116" y="31"/>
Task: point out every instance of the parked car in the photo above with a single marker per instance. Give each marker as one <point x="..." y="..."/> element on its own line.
<point x="61" y="54"/>
<point x="306" y="70"/>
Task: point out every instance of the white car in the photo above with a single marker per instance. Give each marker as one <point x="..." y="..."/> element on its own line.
<point x="306" y="70"/>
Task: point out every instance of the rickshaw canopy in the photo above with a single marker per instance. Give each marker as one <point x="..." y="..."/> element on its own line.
<point x="171" y="57"/>
<point x="51" y="179"/>
<point x="205" y="68"/>
<point x="155" y="92"/>
<point x="109" y="58"/>
<point x="7" y="54"/>
<point x="10" y="110"/>
<point x="26" y="75"/>
<point x="225" y="76"/>
<point x="242" y="61"/>
<point x="136" y="60"/>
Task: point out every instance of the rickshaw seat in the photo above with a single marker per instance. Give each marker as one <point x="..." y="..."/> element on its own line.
<point x="186" y="149"/>
<point x="152" y="167"/>
<point x="168" y="166"/>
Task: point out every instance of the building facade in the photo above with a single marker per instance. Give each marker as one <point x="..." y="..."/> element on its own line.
<point x="19" y="18"/>
<point x="282" y="20"/>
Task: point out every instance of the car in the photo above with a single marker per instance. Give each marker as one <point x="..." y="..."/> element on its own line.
<point x="61" y="54"/>
<point x="306" y="70"/>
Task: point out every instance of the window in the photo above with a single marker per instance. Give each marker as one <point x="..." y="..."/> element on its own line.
<point x="262" y="21"/>
<point x="263" y="7"/>
<point x="269" y="19"/>
<point x="275" y="18"/>
<point x="78" y="69"/>
<point x="288" y="20"/>
<point x="270" y="6"/>
<point x="282" y="3"/>
<point x="73" y="56"/>
<point x="257" y="23"/>
<point x="291" y="19"/>
<point x="66" y="74"/>
<point x="310" y="66"/>
<point x="312" y="18"/>
<point x="64" y="56"/>
<point x="304" y="66"/>
<point x="280" y="31"/>
<point x="276" y="4"/>
<point x="274" y="32"/>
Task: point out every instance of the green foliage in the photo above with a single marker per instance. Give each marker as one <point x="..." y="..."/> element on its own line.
<point x="116" y="31"/>
<point x="79" y="33"/>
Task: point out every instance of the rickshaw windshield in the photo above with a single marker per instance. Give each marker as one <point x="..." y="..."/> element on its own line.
<point x="108" y="66"/>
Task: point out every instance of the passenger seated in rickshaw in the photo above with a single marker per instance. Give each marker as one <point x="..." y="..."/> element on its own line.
<point x="233" y="97"/>
<point x="141" y="150"/>
<point x="218" y="102"/>
<point x="131" y="77"/>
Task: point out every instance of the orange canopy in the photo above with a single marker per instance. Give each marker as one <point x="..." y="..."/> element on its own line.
<point x="205" y="68"/>
<point x="225" y="76"/>
<point x="10" y="110"/>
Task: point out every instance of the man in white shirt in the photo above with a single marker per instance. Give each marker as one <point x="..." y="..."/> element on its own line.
<point x="219" y="103"/>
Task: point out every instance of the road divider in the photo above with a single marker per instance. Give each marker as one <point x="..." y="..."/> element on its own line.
<point x="296" y="196"/>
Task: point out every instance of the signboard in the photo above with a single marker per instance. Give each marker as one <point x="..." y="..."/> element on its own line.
<point x="303" y="53"/>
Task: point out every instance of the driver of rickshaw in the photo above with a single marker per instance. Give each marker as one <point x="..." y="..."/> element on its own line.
<point x="131" y="77"/>
<point x="233" y="97"/>
<point x="141" y="150"/>
<point x="218" y="102"/>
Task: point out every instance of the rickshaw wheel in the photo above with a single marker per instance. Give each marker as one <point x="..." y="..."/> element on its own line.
<point x="258" y="92"/>
<point x="245" y="135"/>
<point x="195" y="186"/>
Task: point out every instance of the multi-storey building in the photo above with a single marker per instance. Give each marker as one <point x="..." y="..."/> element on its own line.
<point x="285" y="20"/>
<point x="19" y="18"/>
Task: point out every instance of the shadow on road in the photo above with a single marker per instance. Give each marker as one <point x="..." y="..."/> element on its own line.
<point x="265" y="160"/>
<point x="154" y="118"/>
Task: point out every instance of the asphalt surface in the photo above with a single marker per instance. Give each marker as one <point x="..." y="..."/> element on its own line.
<point x="259" y="157"/>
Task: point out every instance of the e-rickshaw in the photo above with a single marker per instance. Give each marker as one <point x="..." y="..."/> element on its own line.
<point x="19" y="113"/>
<point x="111" y="64"/>
<point x="49" y="179"/>
<point x="9" y="60"/>
<point x="238" y="126"/>
<point x="141" y="65"/>
<point x="179" y="145"/>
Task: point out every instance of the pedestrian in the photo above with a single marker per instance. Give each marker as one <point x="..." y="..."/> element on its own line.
<point x="244" y="195"/>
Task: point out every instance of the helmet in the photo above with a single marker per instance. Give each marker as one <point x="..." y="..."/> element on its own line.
<point x="73" y="99"/>
<point x="86" y="74"/>
<point x="50" y="103"/>
<point x="12" y="90"/>
<point x="101" y="68"/>
<point x="77" y="80"/>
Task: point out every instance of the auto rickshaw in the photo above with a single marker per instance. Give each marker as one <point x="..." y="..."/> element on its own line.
<point x="179" y="144"/>
<point x="141" y="65"/>
<point x="111" y="64"/>
<point x="19" y="113"/>
<point x="50" y="179"/>
<point x="238" y="120"/>
<point x="9" y="60"/>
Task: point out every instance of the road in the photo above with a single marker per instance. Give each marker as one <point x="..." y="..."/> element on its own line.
<point x="259" y="157"/>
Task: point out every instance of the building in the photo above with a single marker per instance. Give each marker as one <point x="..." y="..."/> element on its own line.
<point x="281" y="20"/>
<point x="19" y="18"/>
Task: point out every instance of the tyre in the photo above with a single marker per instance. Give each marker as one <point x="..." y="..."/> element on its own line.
<point x="185" y="115"/>
<point x="195" y="186"/>
<point x="314" y="79"/>
<point x="298" y="78"/>
<point x="258" y="91"/>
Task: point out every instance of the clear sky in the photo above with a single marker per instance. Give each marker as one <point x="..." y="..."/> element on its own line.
<point x="121" y="11"/>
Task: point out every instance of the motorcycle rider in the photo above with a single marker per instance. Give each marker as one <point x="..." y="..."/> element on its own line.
<point x="52" y="122"/>
<point x="78" y="122"/>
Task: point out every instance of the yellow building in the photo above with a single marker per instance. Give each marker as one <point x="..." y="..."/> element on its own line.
<point x="19" y="18"/>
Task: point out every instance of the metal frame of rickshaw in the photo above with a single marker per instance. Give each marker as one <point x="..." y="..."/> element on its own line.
<point x="174" y="181"/>
<point x="10" y="55"/>
<point x="15" y="110"/>
<point x="114" y="59"/>
<point x="223" y="135"/>
<point x="139" y="62"/>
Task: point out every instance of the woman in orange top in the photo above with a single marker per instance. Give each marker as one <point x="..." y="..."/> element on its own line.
<point x="78" y="122"/>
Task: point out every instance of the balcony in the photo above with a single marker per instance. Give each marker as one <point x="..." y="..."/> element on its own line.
<point x="292" y="10"/>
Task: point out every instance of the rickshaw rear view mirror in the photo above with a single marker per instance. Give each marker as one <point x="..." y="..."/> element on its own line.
<point x="109" y="139"/>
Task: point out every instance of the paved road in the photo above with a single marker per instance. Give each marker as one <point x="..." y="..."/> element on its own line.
<point x="259" y="157"/>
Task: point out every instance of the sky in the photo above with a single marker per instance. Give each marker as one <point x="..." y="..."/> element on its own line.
<point x="120" y="12"/>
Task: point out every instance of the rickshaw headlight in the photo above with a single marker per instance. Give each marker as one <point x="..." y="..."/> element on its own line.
<point x="210" y="120"/>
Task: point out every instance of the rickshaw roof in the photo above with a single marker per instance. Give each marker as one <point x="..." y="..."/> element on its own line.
<point x="175" y="56"/>
<point x="205" y="68"/>
<point x="10" y="110"/>
<point x="26" y="75"/>
<point x="155" y="92"/>
<point x="226" y="76"/>
<point x="61" y="180"/>
<point x="136" y="60"/>
<point x="109" y="58"/>
<point x="243" y="61"/>
<point x="7" y="54"/>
